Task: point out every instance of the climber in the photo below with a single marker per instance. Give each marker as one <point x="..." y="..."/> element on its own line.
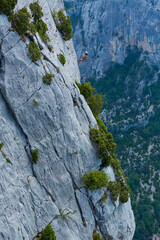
<point x="84" y="58"/>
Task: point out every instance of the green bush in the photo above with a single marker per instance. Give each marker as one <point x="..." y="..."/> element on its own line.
<point x="85" y="89"/>
<point x="35" y="156"/>
<point x="65" y="214"/>
<point x="96" y="236"/>
<point x="36" y="103"/>
<point x="1" y="145"/>
<point x="63" y="25"/>
<point x="95" y="101"/>
<point x="40" y="26"/>
<point x="95" y="179"/>
<point x="105" y="144"/>
<point x="21" y="21"/>
<point x="42" y="29"/>
<point x="114" y="189"/>
<point x="125" y="192"/>
<point x="34" y="51"/>
<point x="61" y="58"/>
<point x="6" y="6"/>
<point x="101" y="125"/>
<point x="48" y="233"/>
<point x="47" y="78"/>
<point x="36" y="11"/>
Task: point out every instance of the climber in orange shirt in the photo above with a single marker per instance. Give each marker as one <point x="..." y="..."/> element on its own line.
<point x="84" y="58"/>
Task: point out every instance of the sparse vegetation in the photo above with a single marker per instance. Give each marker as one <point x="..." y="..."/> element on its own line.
<point x="48" y="233"/>
<point x="63" y="25"/>
<point x="34" y="51"/>
<point x="61" y="58"/>
<point x="35" y="156"/>
<point x="95" y="179"/>
<point x="66" y="213"/>
<point x="36" y="103"/>
<point x="47" y="78"/>
<point x="50" y="47"/>
<point x="103" y="199"/>
<point x="96" y="236"/>
<point x="58" y="70"/>
<point x="1" y="145"/>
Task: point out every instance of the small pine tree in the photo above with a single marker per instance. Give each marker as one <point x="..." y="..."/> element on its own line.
<point x="1" y="145"/>
<point x="35" y="156"/>
<point x="21" y="21"/>
<point x="63" y="25"/>
<point x="34" y="51"/>
<point x="48" y="233"/>
<point x="36" y="11"/>
<point x="61" y="58"/>
<point x="47" y="78"/>
<point x="95" y="179"/>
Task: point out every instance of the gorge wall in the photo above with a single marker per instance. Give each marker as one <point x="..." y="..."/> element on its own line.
<point x="122" y="38"/>
<point x="54" y="119"/>
<point x="107" y="28"/>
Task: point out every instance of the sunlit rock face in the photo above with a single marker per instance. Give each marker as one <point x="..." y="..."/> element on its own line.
<point x="35" y="195"/>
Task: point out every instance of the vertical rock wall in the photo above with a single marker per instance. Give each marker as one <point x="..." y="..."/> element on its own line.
<point x="34" y="195"/>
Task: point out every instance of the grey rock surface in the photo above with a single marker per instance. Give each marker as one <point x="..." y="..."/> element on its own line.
<point x="34" y="195"/>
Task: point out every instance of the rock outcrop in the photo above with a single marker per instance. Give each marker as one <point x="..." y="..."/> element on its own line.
<point x="34" y="195"/>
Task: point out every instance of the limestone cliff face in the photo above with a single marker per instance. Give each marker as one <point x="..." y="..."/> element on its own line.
<point x="34" y="195"/>
<point x="107" y="28"/>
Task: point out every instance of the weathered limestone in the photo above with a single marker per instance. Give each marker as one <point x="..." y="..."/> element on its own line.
<point x="34" y="195"/>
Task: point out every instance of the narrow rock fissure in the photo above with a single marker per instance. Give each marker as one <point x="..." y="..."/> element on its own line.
<point x="32" y="95"/>
<point x="78" y="204"/>
<point x="80" y="210"/>
<point x="94" y="213"/>
<point x="6" y="34"/>
<point x="26" y="67"/>
<point x="9" y="49"/>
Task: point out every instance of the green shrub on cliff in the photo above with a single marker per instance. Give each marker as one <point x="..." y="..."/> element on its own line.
<point x="85" y="89"/>
<point x="95" y="179"/>
<point x="62" y="58"/>
<point x="21" y="21"/>
<point x="35" y="156"/>
<point x="39" y="24"/>
<point x="36" y="11"/>
<point x="47" y="78"/>
<point x="48" y="233"/>
<point x="96" y="236"/>
<point x="34" y="51"/>
<point x="63" y="25"/>
<point x="114" y="189"/>
<point x="95" y="101"/>
<point x="105" y="144"/>
<point x="6" y="6"/>
<point x="1" y="145"/>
